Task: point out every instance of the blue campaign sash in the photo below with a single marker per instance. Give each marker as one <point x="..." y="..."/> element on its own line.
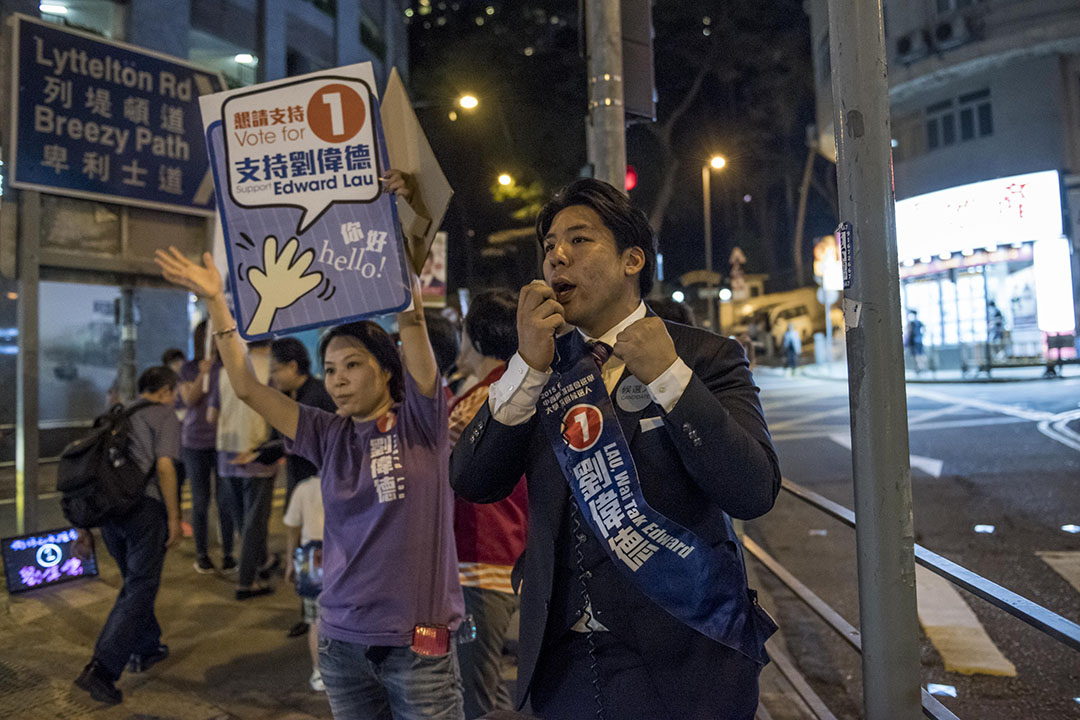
<point x="701" y="586"/>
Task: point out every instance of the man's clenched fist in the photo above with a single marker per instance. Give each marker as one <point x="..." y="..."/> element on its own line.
<point x="646" y="348"/>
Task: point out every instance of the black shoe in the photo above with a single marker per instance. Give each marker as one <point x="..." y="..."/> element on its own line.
<point x="95" y="680"/>
<point x="204" y="565"/>
<point x="245" y="593"/>
<point x="228" y="564"/>
<point x="142" y="663"/>
<point x="300" y="628"/>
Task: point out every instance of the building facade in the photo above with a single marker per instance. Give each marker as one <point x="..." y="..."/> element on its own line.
<point x="90" y="260"/>
<point x="985" y="100"/>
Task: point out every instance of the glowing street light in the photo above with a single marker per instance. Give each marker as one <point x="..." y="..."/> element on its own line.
<point x="245" y="59"/>
<point x="717" y="162"/>
<point x="468" y="102"/>
<point x="505" y="180"/>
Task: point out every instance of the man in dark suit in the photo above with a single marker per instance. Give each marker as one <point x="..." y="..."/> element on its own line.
<point x="591" y="638"/>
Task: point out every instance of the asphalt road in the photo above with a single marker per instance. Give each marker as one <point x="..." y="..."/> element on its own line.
<point x="1005" y="455"/>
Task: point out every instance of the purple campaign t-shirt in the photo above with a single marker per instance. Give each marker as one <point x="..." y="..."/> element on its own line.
<point x="196" y="432"/>
<point x="389" y="559"/>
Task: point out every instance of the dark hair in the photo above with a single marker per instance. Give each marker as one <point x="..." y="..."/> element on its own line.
<point x="377" y="342"/>
<point x="289" y="349"/>
<point x="444" y="339"/>
<point x="155" y="378"/>
<point x="171" y="355"/>
<point x="673" y="310"/>
<point x="627" y="223"/>
<point x="199" y="338"/>
<point x="492" y="323"/>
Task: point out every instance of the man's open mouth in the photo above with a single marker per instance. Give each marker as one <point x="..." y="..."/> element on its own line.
<point x="563" y="290"/>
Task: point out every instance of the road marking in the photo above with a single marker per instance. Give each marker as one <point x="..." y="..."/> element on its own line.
<point x="1057" y="428"/>
<point x="806" y="419"/>
<point x="1065" y="563"/>
<point x="930" y="466"/>
<point x="954" y="629"/>
<point x="947" y="399"/>
<point x="931" y="414"/>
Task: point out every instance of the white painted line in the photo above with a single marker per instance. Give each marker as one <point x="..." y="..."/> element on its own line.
<point x="954" y="629"/>
<point x="947" y="399"/>
<point x="1065" y="563"/>
<point x="1057" y="428"/>
<point x="931" y="414"/>
<point x="828" y="431"/>
<point x="807" y="419"/>
<point x="930" y="466"/>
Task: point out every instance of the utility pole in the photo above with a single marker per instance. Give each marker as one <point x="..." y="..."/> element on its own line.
<point x="706" y="192"/>
<point x="878" y="400"/>
<point x="606" y="124"/>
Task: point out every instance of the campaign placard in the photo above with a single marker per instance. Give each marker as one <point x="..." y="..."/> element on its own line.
<point x="42" y="559"/>
<point x="107" y="121"/>
<point x="310" y="237"/>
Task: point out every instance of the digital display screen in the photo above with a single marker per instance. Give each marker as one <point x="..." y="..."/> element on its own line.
<point x="42" y="559"/>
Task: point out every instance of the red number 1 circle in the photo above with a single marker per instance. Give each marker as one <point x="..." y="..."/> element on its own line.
<point x="581" y="426"/>
<point x="336" y="113"/>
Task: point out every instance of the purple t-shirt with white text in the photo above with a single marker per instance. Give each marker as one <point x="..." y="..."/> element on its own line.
<point x="389" y="558"/>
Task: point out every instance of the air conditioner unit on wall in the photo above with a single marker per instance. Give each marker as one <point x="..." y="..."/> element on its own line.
<point x="913" y="46"/>
<point x="951" y="32"/>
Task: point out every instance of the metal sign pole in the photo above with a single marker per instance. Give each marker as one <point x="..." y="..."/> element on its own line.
<point x="882" y="474"/>
<point x="26" y="384"/>
<point x="606" y="120"/>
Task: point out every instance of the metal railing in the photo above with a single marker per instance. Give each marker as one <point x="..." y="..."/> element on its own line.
<point x="1031" y="613"/>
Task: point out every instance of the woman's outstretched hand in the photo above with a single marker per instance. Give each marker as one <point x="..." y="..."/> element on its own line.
<point x="204" y="281"/>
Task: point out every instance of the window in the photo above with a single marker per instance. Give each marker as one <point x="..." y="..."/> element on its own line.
<point x="968" y="118"/>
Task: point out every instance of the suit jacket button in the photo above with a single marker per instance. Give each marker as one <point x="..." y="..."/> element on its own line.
<point x="686" y="427"/>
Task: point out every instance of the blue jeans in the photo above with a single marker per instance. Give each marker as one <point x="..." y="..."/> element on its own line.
<point x="200" y="467"/>
<point x="382" y="683"/>
<point x="481" y="660"/>
<point x="137" y="543"/>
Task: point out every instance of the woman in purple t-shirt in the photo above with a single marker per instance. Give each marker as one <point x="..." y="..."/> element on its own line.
<point x="391" y="601"/>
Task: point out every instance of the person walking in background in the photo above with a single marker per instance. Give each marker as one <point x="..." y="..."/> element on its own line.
<point x="249" y="486"/>
<point x="913" y="340"/>
<point x="197" y="447"/>
<point x="290" y="372"/>
<point x="131" y="636"/>
<point x="792" y="345"/>
<point x="490" y="538"/>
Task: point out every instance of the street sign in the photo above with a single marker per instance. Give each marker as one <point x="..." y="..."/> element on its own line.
<point x="107" y="121"/>
<point x="311" y="238"/>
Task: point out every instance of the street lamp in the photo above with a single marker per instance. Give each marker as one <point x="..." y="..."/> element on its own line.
<point x="505" y="180"/>
<point x="468" y="102"/>
<point x="716" y="162"/>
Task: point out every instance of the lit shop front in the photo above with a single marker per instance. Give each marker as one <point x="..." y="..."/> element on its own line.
<point x="987" y="270"/>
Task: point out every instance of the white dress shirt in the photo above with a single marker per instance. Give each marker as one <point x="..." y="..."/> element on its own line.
<point x="513" y="397"/>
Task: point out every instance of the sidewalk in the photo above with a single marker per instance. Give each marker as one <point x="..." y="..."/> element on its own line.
<point x="228" y="659"/>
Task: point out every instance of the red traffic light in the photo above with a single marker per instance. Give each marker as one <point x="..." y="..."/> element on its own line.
<point x="631" y="178"/>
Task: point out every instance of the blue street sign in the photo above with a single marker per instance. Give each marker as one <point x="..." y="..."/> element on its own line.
<point x="108" y="121"/>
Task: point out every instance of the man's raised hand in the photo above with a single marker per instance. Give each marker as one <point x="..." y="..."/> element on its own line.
<point x="539" y="315"/>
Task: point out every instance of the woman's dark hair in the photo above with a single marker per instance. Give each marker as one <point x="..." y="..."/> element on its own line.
<point x="627" y="223"/>
<point x="289" y="349"/>
<point x="171" y="355"/>
<point x="377" y="342"/>
<point x="492" y="323"/>
<point x="444" y="339"/>
<point x="155" y="378"/>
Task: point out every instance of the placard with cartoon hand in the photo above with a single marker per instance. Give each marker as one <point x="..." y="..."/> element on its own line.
<point x="311" y="237"/>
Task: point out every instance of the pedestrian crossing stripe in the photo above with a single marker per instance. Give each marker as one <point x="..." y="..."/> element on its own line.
<point x="1065" y="563"/>
<point x="955" y="631"/>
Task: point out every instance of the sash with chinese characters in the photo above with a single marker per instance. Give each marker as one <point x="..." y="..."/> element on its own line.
<point x="676" y="569"/>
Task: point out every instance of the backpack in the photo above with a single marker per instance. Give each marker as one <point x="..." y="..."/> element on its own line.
<point x="97" y="476"/>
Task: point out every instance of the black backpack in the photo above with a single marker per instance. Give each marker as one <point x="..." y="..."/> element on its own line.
<point x="97" y="477"/>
